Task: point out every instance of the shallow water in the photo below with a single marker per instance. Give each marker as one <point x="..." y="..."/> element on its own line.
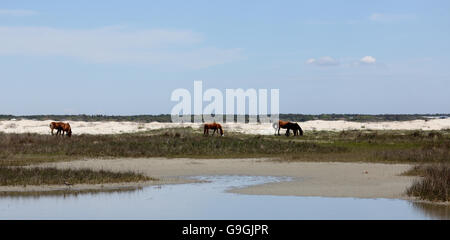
<point x="211" y="201"/>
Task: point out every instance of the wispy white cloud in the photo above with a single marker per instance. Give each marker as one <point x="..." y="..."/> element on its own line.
<point x="116" y="45"/>
<point x="331" y="22"/>
<point x="344" y="62"/>
<point x="368" y="60"/>
<point x="381" y="17"/>
<point x="374" y="17"/>
<point x="17" y="12"/>
<point x="323" y="61"/>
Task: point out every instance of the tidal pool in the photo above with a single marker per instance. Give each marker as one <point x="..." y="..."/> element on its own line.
<point x="210" y="200"/>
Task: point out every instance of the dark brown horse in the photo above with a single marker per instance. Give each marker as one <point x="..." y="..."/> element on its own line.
<point x="295" y="128"/>
<point x="281" y="124"/>
<point x="215" y="126"/>
<point x="288" y="126"/>
<point x="62" y="128"/>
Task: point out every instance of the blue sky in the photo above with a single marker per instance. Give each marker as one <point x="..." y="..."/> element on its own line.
<point x="126" y="57"/>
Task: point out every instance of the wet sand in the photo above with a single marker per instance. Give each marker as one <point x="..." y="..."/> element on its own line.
<point x="326" y="179"/>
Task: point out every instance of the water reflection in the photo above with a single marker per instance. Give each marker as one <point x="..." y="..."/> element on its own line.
<point x="209" y="201"/>
<point x="433" y="211"/>
<point x="65" y="193"/>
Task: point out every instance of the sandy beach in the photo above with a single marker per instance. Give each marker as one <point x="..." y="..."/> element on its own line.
<point x="111" y="127"/>
<point x="327" y="179"/>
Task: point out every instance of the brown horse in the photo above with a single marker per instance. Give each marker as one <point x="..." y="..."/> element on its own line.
<point x="288" y="126"/>
<point x="62" y="128"/>
<point x="281" y="124"/>
<point x="215" y="126"/>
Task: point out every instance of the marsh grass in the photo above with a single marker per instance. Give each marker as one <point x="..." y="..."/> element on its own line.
<point x="69" y="192"/>
<point x="416" y="170"/>
<point x="19" y="176"/>
<point x="381" y="146"/>
<point x="434" y="184"/>
<point x="418" y="147"/>
<point x="21" y="149"/>
<point x="349" y="146"/>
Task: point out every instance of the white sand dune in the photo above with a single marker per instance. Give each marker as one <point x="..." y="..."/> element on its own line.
<point x="112" y="127"/>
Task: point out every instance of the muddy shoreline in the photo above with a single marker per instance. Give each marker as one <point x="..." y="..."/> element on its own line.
<point x="325" y="179"/>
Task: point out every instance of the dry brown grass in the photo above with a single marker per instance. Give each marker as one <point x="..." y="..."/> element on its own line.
<point x="366" y="146"/>
<point x="434" y="184"/>
<point x="10" y="176"/>
<point x="23" y="149"/>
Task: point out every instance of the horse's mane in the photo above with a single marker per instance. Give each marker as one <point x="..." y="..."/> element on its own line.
<point x="220" y="129"/>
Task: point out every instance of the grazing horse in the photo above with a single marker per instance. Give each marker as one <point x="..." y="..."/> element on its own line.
<point x="281" y="124"/>
<point x="288" y="125"/>
<point x="62" y="128"/>
<point x="215" y="126"/>
<point x="295" y="128"/>
<point x="57" y="126"/>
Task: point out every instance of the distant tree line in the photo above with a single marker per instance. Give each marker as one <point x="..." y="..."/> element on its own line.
<point x="289" y="117"/>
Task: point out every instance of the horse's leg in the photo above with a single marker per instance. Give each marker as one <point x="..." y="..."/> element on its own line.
<point x="279" y="131"/>
<point x="52" y="131"/>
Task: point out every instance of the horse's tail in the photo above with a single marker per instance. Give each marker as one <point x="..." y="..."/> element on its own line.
<point x="51" y="127"/>
<point x="275" y="125"/>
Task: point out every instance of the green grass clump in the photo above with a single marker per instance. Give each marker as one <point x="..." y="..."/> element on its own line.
<point x="10" y="176"/>
<point x="434" y="184"/>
